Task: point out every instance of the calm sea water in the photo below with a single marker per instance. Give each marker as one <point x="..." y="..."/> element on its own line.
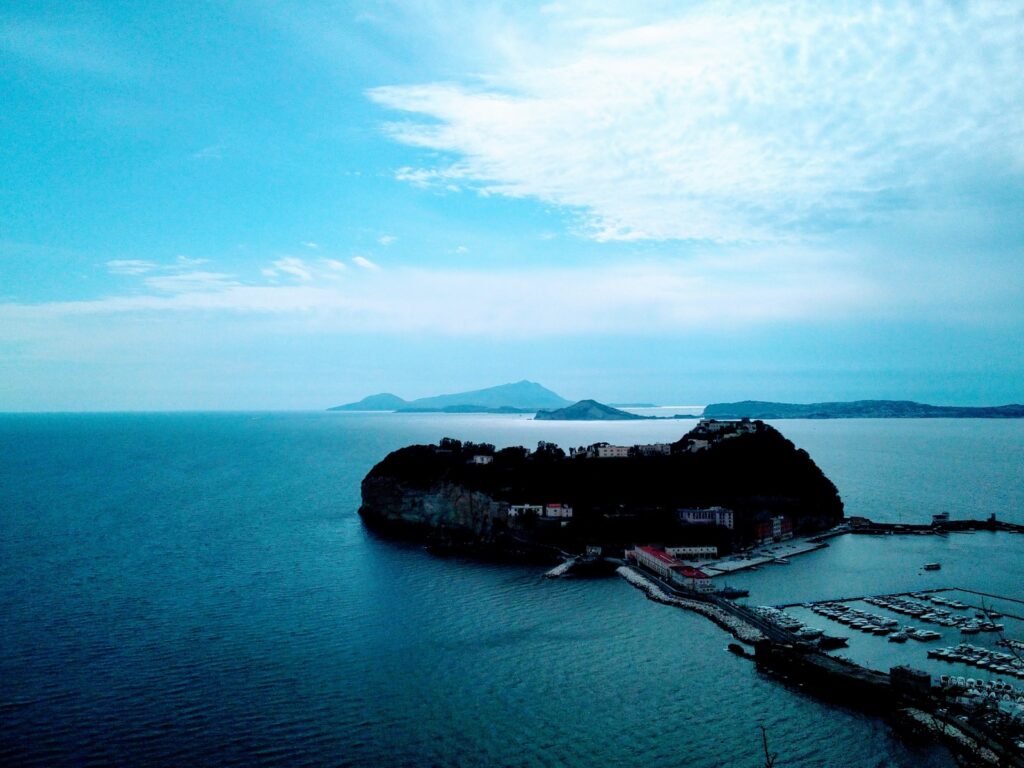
<point x="198" y="590"/>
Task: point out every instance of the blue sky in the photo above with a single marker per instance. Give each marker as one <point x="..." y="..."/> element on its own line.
<point x="291" y="205"/>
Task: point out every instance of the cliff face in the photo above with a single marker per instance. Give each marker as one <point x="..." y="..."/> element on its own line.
<point x="399" y="507"/>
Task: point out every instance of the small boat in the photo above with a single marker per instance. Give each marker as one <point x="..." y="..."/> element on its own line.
<point x="932" y="566"/>
<point x="898" y="637"/>
<point x="828" y="642"/>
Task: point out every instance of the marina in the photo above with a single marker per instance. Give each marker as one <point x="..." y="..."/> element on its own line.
<point x="978" y="714"/>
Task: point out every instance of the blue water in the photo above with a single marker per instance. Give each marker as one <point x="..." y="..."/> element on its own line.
<point x="197" y="589"/>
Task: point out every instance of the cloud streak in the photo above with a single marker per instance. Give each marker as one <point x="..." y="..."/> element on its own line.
<point x="735" y="122"/>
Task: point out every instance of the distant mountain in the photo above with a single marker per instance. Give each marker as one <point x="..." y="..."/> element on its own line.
<point x="858" y="409"/>
<point x="588" y="410"/>
<point x="523" y="396"/>
<point x="632" y="405"/>
<point x="385" y="401"/>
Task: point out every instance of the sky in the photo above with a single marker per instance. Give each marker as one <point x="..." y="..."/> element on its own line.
<point x="290" y="205"/>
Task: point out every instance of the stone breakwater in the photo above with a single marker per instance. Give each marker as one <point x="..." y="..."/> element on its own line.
<point x="738" y="628"/>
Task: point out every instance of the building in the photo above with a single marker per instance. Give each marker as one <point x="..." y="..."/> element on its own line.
<point x="726" y="428"/>
<point x="607" y="451"/>
<point x="940" y="519"/>
<point x="692" y="578"/>
<point x="777" y="528"/>
<point x="693" y="553"/>
<point x="482" y="458"/>
<point x="656" y="560"/>
<point x="707" y="516"/>
<point x="518" y="510"/>
<point x="653" y="449"/>
<point x="697" y="445"/>
<point x="563" y="511"/>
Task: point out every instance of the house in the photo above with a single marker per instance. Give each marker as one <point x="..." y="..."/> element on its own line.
<point x="563" y="511"/>
<point x="707" y="516"/>
<point x="777" y="528"/>
<point x="482" y="458"/>
<point x="607" y="451"/>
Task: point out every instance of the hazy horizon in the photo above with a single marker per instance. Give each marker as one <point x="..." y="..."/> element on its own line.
<point x="289" y="207"/>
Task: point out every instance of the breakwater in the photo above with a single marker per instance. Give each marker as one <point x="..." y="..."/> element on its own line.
<point x="740" y="629"/>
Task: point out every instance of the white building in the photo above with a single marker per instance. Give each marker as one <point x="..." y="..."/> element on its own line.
<point x="709" y="516"/>
<point x="654" y="449"/>
<point x="692" y="578"/>
<point x="563" y="511"/>
<point x="518" y="510"/>
<point x="693" y="553"/>
<point x="482" y="459"/>
<point x="656" y="560"/>
<point x="607" y="451"/>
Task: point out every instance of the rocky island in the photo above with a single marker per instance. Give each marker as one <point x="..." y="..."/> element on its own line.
<point x="724" y="485"/>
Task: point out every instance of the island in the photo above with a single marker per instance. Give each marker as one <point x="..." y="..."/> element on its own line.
<point x="588" y="410"/>
<point x="859" y="409"/>
<point x="723" y="486"/>
<point x="518" y="397"/>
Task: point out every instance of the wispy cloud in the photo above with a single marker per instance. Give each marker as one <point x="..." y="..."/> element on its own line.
<point x="190" y="282"/>
<point x="386" y="240"/>
<point x="711" y="292"/>
<point x="365" y="263"/>
<point x="735" y="121"/>
<point x="131" y="266"/>
<point x="290" y="265"/>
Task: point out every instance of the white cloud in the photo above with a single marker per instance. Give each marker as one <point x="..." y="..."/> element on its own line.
<point x="731" y="122"/>
<point x="212" y="152"/>
<point x="290" y="265"/>
<point x="713" y="291"/>
<point x="309" y="244"/>
<point x="188" y="282"/>
<point x="365" y="263"/>
<point x="131" y="266"/>
<point x="334" y="265"/>
<point x="386" y="240"/>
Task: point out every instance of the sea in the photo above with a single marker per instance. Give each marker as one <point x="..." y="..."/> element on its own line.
<point x="197" y="589"/>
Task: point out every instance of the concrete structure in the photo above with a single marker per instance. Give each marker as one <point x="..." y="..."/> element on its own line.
<point x="707" y="516"/>
<point x="693" y="553"/>
<point x="482" y="459"/>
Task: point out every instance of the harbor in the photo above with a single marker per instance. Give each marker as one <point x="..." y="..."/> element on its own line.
<point x="956" y="674"/>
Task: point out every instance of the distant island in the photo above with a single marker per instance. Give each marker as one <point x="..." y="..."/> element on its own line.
<point x="520" y="397"/>
<point x="526" y="397"/>
<point x="723" y="485"/>
<point x="858" y="409"/>
<point x="588" y="410"/>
